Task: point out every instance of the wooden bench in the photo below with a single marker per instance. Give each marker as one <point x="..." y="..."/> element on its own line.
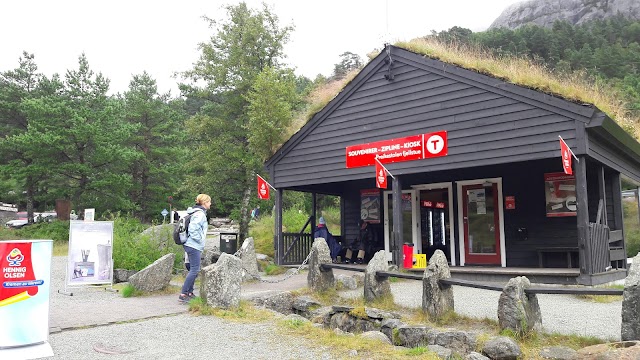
<point x="568" y="250"/>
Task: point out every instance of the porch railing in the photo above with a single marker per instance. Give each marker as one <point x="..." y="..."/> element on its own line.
<point x="297" y="245"/>
<point x="599" y="244"/>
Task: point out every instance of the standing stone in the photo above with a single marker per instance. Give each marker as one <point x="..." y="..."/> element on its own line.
<point x="374" y="286"/>
<point x="249" y="259"/>
<point x="437" y="298"/>
<point x="317" y="278"/>
<point x="155" y="276"/>
<point x="220" y="283"/>
<point x="631" y="303"/>
<point x="517" y="310"/>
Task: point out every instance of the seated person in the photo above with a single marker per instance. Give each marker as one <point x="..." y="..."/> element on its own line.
<point x="365" y="239"/>
<point x="323" y="232"/>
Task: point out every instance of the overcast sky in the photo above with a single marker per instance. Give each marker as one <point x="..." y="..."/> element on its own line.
<point x="123" y="38"/>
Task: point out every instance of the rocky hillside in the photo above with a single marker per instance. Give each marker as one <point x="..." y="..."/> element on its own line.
<point x="545" y="12"/>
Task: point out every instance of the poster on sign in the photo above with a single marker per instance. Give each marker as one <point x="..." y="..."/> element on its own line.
<point x="560" y="194"/>
<point x="90" y="253"/>
<point x="370" y="205"/>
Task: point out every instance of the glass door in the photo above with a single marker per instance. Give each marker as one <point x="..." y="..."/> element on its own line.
<point x="408" y="219"/>
<point x="481" y="224"/>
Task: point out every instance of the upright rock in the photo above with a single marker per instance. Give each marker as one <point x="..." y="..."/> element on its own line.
<point x="249" y="259"/>
<point x="155" y="276"/>
<point x="545" y="12"/>
<point x="317" y="278"/>
<point x="517" y="310"/>
<point x="374" y="286"/>
<point x="631" y="303"/>
<point x="437" y="299"/>
<point x="220" y="283"/>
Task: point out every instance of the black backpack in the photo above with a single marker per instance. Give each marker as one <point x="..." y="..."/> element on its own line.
<point x="181" y="229"/>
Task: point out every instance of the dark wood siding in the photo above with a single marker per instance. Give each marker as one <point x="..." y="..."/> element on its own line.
<point x="611" y="157"/>
<point x="484" y="126"/>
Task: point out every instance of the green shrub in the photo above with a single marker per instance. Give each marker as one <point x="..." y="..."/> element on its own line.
<point x="134" y="251"/>
<point x="631" y="227"/>
<point x="56" y="230"/>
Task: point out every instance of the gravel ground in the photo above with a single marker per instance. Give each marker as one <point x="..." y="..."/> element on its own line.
<point x="182" y="337"/>
<point x="564" y="314"/>
<point x="157" y="326"/>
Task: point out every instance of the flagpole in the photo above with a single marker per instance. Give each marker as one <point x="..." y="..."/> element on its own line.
<point x="271" y="186"/>
<point x="385" y="169"/>
<point x="565" y="143"/>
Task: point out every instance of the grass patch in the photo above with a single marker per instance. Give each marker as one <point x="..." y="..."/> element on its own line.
<point x="603" y="299"/>
<point x="129" y="290"/>
<point x="273" y="269"/>
<point x="245" y="312"/>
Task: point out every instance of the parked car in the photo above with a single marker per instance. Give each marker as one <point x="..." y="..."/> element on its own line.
<point x="19" y="222"/>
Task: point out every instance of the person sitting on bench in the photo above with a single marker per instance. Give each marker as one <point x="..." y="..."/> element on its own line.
<point x="365" y="237"/>
<point x="323" y="232"/>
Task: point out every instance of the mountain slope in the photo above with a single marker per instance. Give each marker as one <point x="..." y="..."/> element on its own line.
<point x="545" y="12"/>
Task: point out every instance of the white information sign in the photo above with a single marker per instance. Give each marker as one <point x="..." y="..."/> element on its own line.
<point x="90" y="253"/>
<point x="89" y="214"/>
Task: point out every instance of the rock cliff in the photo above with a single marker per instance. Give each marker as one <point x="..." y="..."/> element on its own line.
<point x="546" y="12"/>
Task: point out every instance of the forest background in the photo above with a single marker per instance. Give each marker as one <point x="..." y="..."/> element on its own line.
<point x="63" y="137"/>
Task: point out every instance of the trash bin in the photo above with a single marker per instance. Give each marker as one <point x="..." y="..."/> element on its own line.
<point x="228" y="243"/>
<point x="407" y="256"/>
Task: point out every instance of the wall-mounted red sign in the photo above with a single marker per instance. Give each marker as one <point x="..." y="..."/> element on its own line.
<point x="431" y="204"/>
<point x="510" y="202"/>
<point x="408" y="148"/>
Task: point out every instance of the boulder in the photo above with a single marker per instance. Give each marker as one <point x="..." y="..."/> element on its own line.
<point x="413" y="336"/>
<point x="502" y="348"/>
<point x="122" y="275"/>
<point x="388" y="325"/>
<point x="305" y="306"/>
<point x="347" y="282"/>
<point x="249" y="260"/>
<point x="376" y="335"/>
<point x="623" y="350"/>
<point x="437" y="298"/>
<point x="441" y="351"/>
<point x="220" y="283"/>
<point x="317" y="278"/>
<point x="630" y="329"/>
<point x="374" y="286"/>
<point x="155" y="276"/>
<point x="348" y="323"/>
<point x="282" y="302"/>
<point x="160" y="234"/>
<point x="461" y="342"/>
<point x="517" y="310"/>
<point x="475" y="356"/>
<point x="558" y="353"/>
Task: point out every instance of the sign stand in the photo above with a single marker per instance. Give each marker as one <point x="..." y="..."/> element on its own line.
<point x="90" y="261"/>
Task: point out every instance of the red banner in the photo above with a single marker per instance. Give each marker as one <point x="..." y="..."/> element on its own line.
<point x="566" y="157"/>
<point x="263" y="189"/>
<point x="381" y="176"/>
<point x="415" y="147"/>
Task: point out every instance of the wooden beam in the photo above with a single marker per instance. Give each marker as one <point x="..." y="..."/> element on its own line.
<point x="278" y="239"/>
<point x="602" y="193"/>
<point x="397" y="238"/>
<point x="582" y="216"/>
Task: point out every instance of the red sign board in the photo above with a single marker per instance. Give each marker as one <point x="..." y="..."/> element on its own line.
<point x="431" y="204"/>
<point x="415" y="147"/>
<point x="510" y="202"/>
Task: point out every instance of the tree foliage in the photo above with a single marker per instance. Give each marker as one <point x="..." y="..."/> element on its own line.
<point x="223" y="162"/>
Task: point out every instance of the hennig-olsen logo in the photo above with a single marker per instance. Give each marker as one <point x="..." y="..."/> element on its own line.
<point x="15" y="257"/>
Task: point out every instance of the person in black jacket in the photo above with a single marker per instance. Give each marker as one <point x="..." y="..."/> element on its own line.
<point x="323" y="232"/>
<point x="365" y="238"/>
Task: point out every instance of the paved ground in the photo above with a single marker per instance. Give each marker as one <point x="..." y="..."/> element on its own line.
<point x="76" y="334"/>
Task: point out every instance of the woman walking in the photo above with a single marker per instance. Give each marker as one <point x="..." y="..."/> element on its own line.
<point x="194" y="246"/>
